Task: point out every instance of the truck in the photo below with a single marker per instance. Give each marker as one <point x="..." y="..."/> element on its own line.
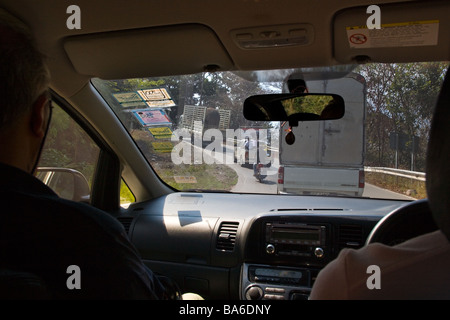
<point x="198" y="119"/>
<point x="327" y="157"/>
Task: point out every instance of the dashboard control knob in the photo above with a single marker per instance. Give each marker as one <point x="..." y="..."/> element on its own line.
<point x="270" y="249"/>
<point x="318" y="252"/>
<point x="254" y="293"/>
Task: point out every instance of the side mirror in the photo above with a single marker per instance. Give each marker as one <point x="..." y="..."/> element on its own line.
<point x="294" y="107"/>
<point x="67" y="183"/>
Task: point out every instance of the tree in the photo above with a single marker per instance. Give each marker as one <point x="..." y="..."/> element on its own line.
<point x="67" y="145"/>
<point x="400" y="99"/>
<point x="378" y="125"/>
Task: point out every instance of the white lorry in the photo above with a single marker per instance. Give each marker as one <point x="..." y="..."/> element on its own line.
<point x="327" y="156"/>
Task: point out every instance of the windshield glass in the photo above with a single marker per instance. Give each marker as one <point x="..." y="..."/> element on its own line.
<point x="192" y="131"/>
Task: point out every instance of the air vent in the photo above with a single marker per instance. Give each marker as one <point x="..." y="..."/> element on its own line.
<point x="226" y="236"/>
<point x="350" y="236"/>
<point x="126" y="222"/>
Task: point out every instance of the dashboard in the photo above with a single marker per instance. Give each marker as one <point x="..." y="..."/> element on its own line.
<point x="284" y="253"/>
<point x="248" y="246"/>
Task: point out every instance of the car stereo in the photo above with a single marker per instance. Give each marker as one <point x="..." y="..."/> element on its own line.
<point x="295" y="239"/>
<point x="263" y="282"/>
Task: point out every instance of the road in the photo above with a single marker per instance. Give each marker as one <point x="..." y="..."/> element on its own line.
<point x="372" y="191"/>
<point x="247" y="183"/>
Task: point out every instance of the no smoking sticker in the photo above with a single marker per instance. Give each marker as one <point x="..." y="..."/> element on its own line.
<point x="358" y="38"/>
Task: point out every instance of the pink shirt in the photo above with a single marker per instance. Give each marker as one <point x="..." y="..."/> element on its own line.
<point x="416" y="269"/>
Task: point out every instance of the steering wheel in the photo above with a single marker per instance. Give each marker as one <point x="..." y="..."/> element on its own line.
<point x="404" y="223"/>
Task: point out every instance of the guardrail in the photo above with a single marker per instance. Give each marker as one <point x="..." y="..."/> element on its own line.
<point x="415" y="175"/>
<point x="398" y="172"/>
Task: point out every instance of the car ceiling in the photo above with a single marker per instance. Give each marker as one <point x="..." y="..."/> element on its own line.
<point x="135" y="38"/>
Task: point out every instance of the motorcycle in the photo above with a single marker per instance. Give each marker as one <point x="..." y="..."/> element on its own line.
<point x="259" y="171"/>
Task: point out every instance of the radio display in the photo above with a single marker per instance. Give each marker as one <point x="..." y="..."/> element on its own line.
<point x="288" y="274"/>
<point x="296" y="235"/>
<point x="279" y="276"/>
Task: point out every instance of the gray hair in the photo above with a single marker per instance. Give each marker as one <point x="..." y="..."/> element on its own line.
<point x="23" y="72"/>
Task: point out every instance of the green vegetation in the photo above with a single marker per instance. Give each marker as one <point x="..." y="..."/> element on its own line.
<point x="200" y="176"/>
<point x="68" y="146"/>
<point x="307" y="104"/>
<point x="125" y="194"/>
<point x="400" y="99"/>
<point x="204" y="176"/>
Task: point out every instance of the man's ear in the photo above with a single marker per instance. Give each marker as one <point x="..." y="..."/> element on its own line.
<point x="38" y="116"/>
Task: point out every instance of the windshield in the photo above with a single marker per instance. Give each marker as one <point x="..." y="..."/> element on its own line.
<point x="192" y="131"/>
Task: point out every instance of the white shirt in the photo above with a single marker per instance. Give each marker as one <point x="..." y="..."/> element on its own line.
<point x="416" y="269"/>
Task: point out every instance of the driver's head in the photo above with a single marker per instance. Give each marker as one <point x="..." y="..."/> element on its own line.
<point x="24" y="99"/>
<point x="438" y="160"/>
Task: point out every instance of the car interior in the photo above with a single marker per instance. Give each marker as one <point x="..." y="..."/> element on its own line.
<point x="222" y="242"/>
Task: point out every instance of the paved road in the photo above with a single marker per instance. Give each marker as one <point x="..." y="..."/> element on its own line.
<point x="372" y="191"/>
<point x="247" y="183"/>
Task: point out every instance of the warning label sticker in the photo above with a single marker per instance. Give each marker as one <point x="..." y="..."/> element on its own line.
<point x="162" y="147"/>
<point x="158" y="97"/>
<point x="404" y="34"/>
<point x="161" y="132"/>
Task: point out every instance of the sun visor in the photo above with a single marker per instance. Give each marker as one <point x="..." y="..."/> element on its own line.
<point x="409" y="33"/>
<point x="147" y="52"/>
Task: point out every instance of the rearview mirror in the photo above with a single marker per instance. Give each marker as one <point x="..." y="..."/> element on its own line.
<point x="294" y="107"/>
